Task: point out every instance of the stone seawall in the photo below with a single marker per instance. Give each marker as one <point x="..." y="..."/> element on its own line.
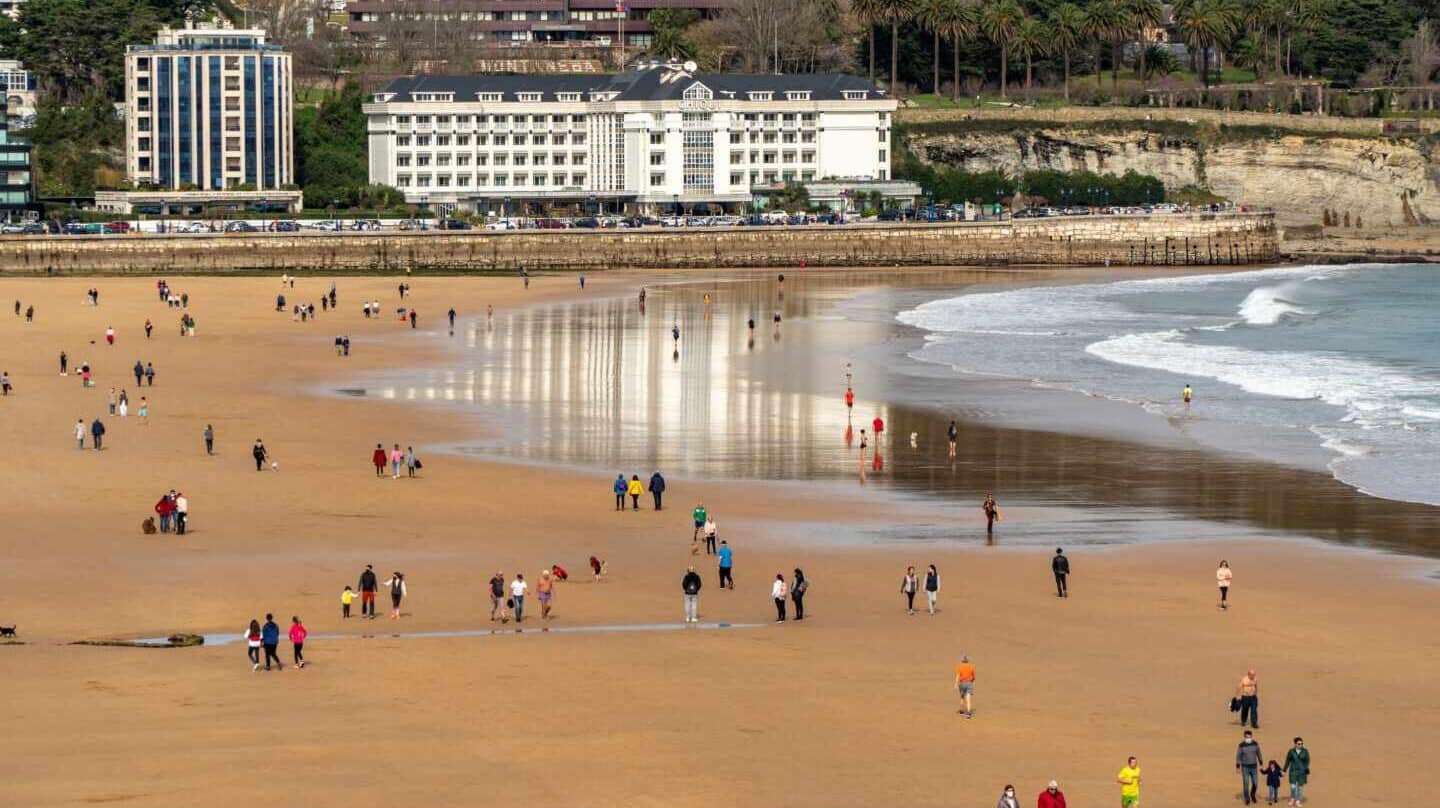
<point x="1179" y="239"/>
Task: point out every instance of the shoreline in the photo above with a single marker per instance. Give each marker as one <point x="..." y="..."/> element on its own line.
<point x="1137" y="661"/>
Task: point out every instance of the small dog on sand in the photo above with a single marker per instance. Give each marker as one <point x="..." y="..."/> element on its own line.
<point x="148" y="526"/>
<point x="7" y="631"/>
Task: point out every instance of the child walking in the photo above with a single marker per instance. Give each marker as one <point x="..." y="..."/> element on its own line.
<point x="346" y="598"/>
<point x="1273" y="776"/>
<point x="297" y="639"/>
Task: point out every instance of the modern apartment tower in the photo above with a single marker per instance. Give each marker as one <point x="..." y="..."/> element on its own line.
<point x="208" y="109"/>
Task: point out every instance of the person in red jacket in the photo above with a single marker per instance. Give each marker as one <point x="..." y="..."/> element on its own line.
<point x="165" y="509"/>
<point x="849" y="398"/>
<point x="297" y="638"/>
<point x="378" y="458"/>
<point x="1051" y="797"/>
<point x="879" y="426"/>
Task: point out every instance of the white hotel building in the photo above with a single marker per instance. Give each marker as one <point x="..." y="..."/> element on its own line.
<point x="648" y="140"/>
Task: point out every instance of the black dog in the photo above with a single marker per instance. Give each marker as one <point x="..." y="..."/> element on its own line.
<point x="7" y="631"/>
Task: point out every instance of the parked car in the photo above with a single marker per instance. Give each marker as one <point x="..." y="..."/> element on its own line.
<point x="366" y="224"/>
<point x="116" y="227"/>
<point x="284" y="227"/>
<point x="502" y="224"/>
<point x="452" y="224"/>
<point x="239" y="227"/>
<point x="12" y="228"/>
<point x="587" y="222"/>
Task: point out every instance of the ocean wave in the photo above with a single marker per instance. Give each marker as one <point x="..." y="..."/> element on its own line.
<point x="1266" y="306"/>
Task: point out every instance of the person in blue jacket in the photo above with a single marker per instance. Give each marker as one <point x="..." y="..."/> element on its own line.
<point x="619" y="488"/>
<point x="270" y="638"/>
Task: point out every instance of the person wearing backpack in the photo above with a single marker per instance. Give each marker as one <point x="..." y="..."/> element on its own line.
<point x="798" y="588"/>
<point x="619" y="487"/>
<point x="657" y="488"/>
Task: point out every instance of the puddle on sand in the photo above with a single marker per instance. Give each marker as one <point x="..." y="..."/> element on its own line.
<point x="228" y="639"/>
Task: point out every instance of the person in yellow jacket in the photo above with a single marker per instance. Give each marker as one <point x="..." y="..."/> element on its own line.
<point x="635" y="490"/>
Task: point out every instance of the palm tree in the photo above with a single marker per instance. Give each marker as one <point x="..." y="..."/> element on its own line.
<point x="933" y="14"/>
<point x="896" y="12"/>
<point x="867" y="12"/>
<point x="1067" y="23"/>
<point x="1305" y="15"/>
<point x="1032" y="38"/>
<point x="1000" y="22"/>
<point x="1204" y="24"/>
<point x="1142" y="15"/>
<point x="1101" y="20"/>
<point x="960" y="24"/>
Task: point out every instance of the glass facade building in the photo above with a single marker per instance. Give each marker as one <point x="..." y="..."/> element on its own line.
<point x="208" y="109"/>
<point x="17" y="186"/>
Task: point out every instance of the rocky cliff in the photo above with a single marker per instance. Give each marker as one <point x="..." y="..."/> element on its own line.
<point x="1374" y="180"/>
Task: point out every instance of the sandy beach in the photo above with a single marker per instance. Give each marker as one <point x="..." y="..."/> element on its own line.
<point x="854" y="706"/>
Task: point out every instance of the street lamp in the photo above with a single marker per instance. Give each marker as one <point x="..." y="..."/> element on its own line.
<point x="334" y="203"/>
<point x="162" y="216"/>
<point x="677" y="205"/>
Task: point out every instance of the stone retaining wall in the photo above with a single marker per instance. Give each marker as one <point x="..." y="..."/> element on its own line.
<point x="1180" y="239"/>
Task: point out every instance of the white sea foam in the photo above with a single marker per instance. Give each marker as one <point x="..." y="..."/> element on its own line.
<point x="1267" y="306"/>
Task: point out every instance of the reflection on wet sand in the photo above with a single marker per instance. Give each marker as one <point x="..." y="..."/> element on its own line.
<point x="683" y="384"/>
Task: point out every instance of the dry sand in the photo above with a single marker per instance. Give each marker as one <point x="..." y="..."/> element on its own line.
<point x="853" y="707"/>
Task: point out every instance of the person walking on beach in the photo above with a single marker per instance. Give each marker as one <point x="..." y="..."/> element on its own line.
<point x="1008" y="798"/>
<point x="497" y="597"/>
<point x="699" y="515"/>
<point x="849" y="401"/>
<point x="1187" y="394"/>
<point x="878" y="425"/>
<point x="1222" y="579"/>
<point x="932" y="588"/>
<point x="657" y="488"/>
<point x="798" y="587"/>
<point x="1247" y="762"/>
<point x="452" y="320"/>
<point x="413" y="318"/>
<point x="1274" y="775"/>
<point x="397" y="458"/>
<point x="779" y="591"/>
<point x="297" y="640"/>
<point x="123" y="407"/>
<point x="690" y="589"/>
<point x="149" y="374"/>
<point x="1248" y="692"/>
<point x="368" y="586"/>
<point x="711" y="531"/>
<point x="149" y="327"/>
<point x="110" y="336"/>
<point x="1297" y="765"/>
<point x="270" y="639"/>
<point x="80" y="434"/>
<point x="953" y="434"/>
<point x="518" y="588"/>
<point x="377" y="459"/>
<point x="182" y="513"/>
<point x="397" y="593"/>
<point x="545" y="592"/>
<point x="411" y="463"/>
<point x="1051" y="797"/>
<point x="144" y="412"/>
<point x="992" y="513"/>
<point x="965" y="685"/>
<point x="908" y="586"/>
<point x="619" y="487"/>
<point x="165" y="509"/>
<point x="727" y="564"/>
<point x="257" y="451"/>
<point x="635" y="490"/>
<point x="110" y="401"/>
<point x="347" y="597"/>
<point x="64" y="364"/>
<point x="209" y="439"/>
<point x="1129" y="780"/>
<point x="97" y="435"/>
<point x="1060" y="566"/>
<point x="139" y="371"/>
<point x="252" y="644"/>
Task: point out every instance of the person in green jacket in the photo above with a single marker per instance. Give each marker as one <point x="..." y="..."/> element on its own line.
<point x="700" y="516"/>
<point x="1297" y="765"/>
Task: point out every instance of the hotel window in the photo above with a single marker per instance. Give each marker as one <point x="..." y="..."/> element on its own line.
<point x="807" y="176"/>
<point x="443" y="180"/>
<point x="807" y="137"/>
<point x="482" y="179"/>
<point x="768" y="158"/>
<point x="854" y="95"/>
<point x="538" y="140"/>
<point x="443" y="120"/>
<point x="657" y="138"/>
<point x="442" y="140"/>
<point x="576" y="120"/>
<point x="422" y="180"/>
<point x="760" y="96"/>
<point x="501" y="180"/>
<point x="501" y="140"/>
<point x="797" y="95"/>
<point x="788" y="137"/>
<point x="578" y="139"/>
<point x="540" y="159"/>
<point x="402" y="160"/>
<point x="491" y="97"/>
<point x="462" y="140"/>
<point x="737" y="157"/>
<point x="521" y="179"/>
<point x="807" y="157"/>
<point x="143" y="63"/>
<point x="559" y="159"/>
<point x="502" y="159"/>
<point x="568" y="97"/>
<point x="402" y="120"/>
<point x="735" y="137"/>
<point x="808" y="118"/>
<point x="737" y="178"/>
<point x="657" y="158"/>
<point x="769" y="137"/>
<point x="788" y="117"/>
<point x="577" y="179"/>
<point x="558" y="179"/>
<point x="788" y="176"/>
<point x="462" y="159"/>
<point x="754" y="157"/>
<point x="578" y="159"/>
<point x="144" y="144"/>
<point x="482" y="140"/>
<point x="539" y="179"/>
<point x="788" y="157"/>
<point x="402" y="180"/>
<point x="423" y="141"/>
<point x="528" y="96"/>
<point x="771" y="177"/>
<point x="521" y="140"/>
<point x="884" y="156"/>
<point x="442" y="160"/>
<point x="697" y="92"/>
<point x="754" y="137"/>
<point x="422" y="120"/>
<point x="754" y="177"/>
<point x="462" y="180"/>
<point x="403" y="141"/>
<point x="521" y="159"/>
<point x="558" y="140"/>
<point x="422" y="160"/>
<point x="537" y="121"/>
<point x="657" y="179"/>
<point x="482" y="159"/>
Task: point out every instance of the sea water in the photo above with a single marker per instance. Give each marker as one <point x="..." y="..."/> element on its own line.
<point x="1331" y="367"/>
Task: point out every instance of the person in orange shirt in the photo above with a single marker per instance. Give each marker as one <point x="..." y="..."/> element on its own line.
<point x="965" y="683"/>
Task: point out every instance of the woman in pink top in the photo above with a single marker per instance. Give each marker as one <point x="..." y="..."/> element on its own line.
<point x="1222" y="579"/>
<point x="397" y="459"/>
<point x="297" y="638"/>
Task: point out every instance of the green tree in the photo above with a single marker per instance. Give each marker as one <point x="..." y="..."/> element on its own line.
<point x="1032" y="38"/>
<point x="74" y="47"/>
<point x="896" y="12"/>
<point x="73" y="143"/>
<point x="933" y="14"/>
<point x="868" y="13"/>
<point x="959" y="24"/>
<point x="1067" y="26"/>
<point x="1000" y="22"/>
<point x="1203" y="25"/>
<point x="1142" y="15"/>
<point x="670" y="38"/>
<point x="1103" y="18"/>
<point x="330" y="160"/>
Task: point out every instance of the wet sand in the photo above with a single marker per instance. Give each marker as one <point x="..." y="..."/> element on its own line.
<point x="852" y="707"/>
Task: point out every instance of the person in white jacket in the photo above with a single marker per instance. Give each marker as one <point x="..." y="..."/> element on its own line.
<point x="397" y="593"/>
<point x="779" y="591"/>
<point x="80" y="434"/>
